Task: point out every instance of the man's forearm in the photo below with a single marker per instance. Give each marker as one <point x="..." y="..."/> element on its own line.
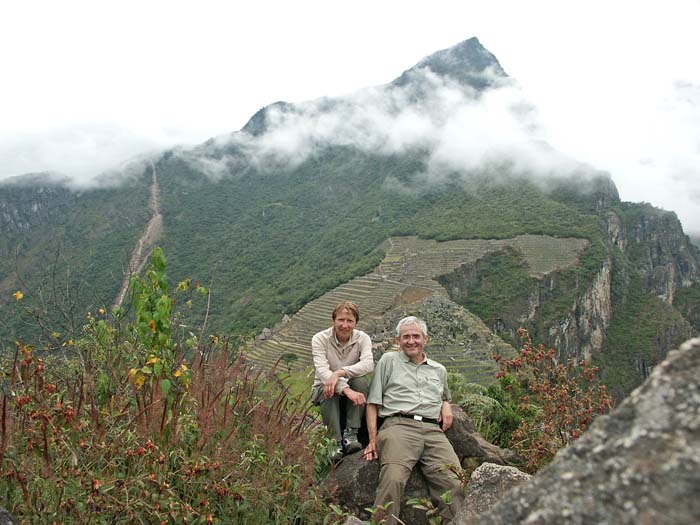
<point x="371" y="417"/>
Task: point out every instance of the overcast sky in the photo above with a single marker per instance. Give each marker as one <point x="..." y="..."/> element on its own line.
<point x="86" y="85"/>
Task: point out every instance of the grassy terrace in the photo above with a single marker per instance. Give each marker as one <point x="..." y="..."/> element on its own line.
<point x="407" y="275"/>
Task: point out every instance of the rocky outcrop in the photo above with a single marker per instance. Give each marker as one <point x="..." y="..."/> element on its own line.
<point x="582" y="331"/>
<point x="488" y="484"/>
<point x="663" y="252"/>
<point x="581" y="322"/>
<point x="354" y="481"/>
<point x="29" y="201"/>
<point x="640" y="465"/>
<point x="469" y="63"/>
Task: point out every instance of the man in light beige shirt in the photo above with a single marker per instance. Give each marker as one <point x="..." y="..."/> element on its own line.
<point x="410" y="392"/>
<point x="342" y="357"/>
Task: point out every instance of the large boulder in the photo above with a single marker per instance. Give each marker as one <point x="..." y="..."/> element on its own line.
<point x="354" y="481"/>
<point x="640" y="465"/>
<point x="487" y="485"/>
<point x="471" y="448"/>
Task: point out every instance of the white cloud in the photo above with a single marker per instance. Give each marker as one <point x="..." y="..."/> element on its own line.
<point x="81" y="152"/>
<point x="161" y="73"/>
<point x="465" y="131"/>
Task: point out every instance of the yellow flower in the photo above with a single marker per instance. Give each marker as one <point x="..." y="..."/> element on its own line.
<point x="18" y="295"/>
<point x="136" y="378"/>
<point x="101" y="311"/>
<point x="152" y="360"/>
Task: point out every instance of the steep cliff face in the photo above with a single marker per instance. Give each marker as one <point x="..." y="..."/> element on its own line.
<point x="660" y="250"/>
<point x="568" y="309"/>
<point x="581" y="331"/>
<point x="645" y="246"/>
<point x="634" y="295"/>
<point x="26" y="205"/>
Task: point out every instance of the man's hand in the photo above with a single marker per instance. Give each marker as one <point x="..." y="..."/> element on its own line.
<point x="329" y="384"/>
<point x="358" y="398"/>
<point x="446" y="416"/>
<point x="370" y="453"/>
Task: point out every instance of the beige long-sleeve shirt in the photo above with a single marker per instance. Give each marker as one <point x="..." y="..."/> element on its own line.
<point x="355" y="357"/>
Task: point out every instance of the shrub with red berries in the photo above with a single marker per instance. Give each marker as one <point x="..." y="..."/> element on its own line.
<point x="558" y="400"/>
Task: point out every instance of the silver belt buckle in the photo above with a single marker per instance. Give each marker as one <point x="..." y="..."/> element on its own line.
<point x="418" y="418"/>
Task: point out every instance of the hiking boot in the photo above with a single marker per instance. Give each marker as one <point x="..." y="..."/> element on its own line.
<point x="338" y="453"/>
<point x="350" y="442"/>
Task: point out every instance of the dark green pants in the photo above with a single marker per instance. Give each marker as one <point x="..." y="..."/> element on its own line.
<point x="330" y="409"/>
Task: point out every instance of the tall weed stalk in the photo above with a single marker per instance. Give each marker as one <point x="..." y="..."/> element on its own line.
<point x="147" y="424"/>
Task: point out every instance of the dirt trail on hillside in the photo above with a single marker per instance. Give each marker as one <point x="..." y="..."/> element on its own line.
<point x="146" y="243"/>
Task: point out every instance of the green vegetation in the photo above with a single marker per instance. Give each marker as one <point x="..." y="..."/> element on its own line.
<point x="484" y="209"/>
<point x="687" y="301"/>
<point x="276" y="240"/>
<point x="496" y="287"/>
<point x="494" y="415"/>
<point x="147" y="424"/>
<point x="540" y="405"/>
<point x="267" y="241"/>
<point x="569" y="285"/>
<point x="642" y="327"/>
<point x="70" y="263"/>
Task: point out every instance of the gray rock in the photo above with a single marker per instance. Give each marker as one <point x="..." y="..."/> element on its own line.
<point x="640" y="465"/>
<point x="487" y="485"/>
<point x="354" y="480"/>
<point x="352" y="520"/>
<point x="6" y="518"/>
<point x="470" y="446"/>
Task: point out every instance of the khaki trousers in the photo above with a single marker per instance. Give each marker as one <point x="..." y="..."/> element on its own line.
<point x="402" y="443"/>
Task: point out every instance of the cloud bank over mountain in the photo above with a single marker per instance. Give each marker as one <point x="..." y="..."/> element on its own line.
<point x="462" y="130"/>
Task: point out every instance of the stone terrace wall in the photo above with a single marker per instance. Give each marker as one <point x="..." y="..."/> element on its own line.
<point x="407" y="275"/>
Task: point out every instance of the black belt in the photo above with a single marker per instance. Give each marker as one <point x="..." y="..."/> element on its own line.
<point x="419" y="418"/>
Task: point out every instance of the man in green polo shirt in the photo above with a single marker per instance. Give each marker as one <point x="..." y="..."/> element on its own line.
<point x="410" y="392"/>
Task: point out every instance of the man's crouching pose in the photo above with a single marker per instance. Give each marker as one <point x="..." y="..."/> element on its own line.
<point x="342" y="357"/>
<point x="410" y="391"/>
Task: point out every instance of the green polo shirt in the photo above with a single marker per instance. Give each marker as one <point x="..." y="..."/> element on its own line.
<point x="401" y="386"/>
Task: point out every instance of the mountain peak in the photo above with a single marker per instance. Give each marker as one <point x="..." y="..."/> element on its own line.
<point x="468" y="62"/>
<point x="257" y="124"/>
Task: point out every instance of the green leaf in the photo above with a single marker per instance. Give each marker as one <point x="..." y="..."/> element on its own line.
<point x="165" y="387"/>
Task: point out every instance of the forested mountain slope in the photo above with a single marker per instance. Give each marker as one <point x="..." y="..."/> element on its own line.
<point x="307" y="196"/>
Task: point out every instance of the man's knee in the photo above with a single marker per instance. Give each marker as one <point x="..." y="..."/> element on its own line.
<point x="360" y="384"/>
<point x="394" y="474"/>
<point x="441" y="480"/>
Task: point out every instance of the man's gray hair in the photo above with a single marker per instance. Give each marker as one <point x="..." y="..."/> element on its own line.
<point x="410" y="321"/>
